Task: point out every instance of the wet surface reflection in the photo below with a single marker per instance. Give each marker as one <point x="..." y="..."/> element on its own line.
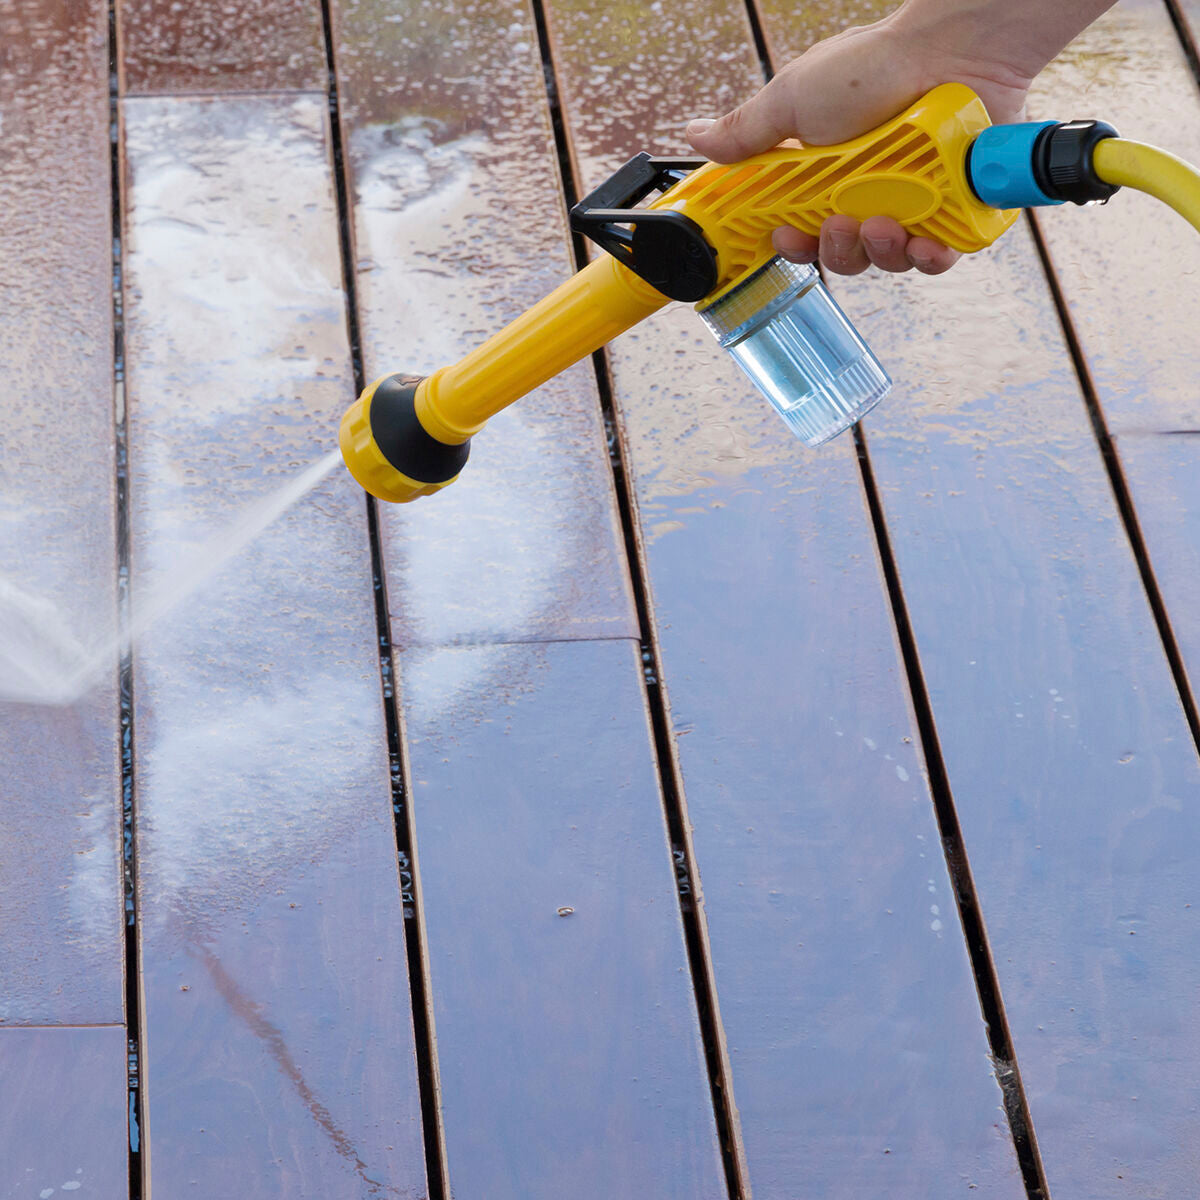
<point x="459" y="226"/>
<point x="857" y="1051"/>
<point x="61" y="940"/>
<point x="835" y="940"/>
<point x="276" y="1009"/>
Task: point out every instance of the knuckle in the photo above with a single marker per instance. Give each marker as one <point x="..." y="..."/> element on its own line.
<point x="734" y="125"/>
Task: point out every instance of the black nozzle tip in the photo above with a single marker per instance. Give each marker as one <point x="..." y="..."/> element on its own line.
<point x="404" y="441"/>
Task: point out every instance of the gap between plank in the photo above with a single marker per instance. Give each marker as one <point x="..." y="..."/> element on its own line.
<point x="682" y="853"/>
<point x="133" y="963"/>
<point x="418" y="979"/>
<point x="987" y="983"/>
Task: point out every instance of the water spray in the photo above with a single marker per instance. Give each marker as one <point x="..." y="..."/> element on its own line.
<point x="690" y="230"/>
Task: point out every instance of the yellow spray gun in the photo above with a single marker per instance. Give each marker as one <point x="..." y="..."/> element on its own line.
<point x="939" y="168"/>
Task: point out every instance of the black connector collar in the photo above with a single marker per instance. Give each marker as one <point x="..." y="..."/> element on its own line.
<point x="1062" y="161"/>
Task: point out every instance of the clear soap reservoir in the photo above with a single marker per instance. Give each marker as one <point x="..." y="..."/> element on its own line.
<point x="788" y="334"/>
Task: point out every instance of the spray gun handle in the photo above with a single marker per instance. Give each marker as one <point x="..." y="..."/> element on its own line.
<point x="912" y="168"/>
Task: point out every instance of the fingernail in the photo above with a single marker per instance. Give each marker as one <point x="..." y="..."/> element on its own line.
<point x="919" y="260"/>
<point x="881" y="245"/>
<point x="700" y="125"/>
<point x="842" y="242"/>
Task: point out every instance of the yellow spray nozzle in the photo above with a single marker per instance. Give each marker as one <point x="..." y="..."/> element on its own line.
<point x="705" y="234"/>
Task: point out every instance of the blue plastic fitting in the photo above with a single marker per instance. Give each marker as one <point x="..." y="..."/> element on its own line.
<point x="1000" y="166"/>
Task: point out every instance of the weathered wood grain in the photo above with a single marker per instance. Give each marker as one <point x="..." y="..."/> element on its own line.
<point x="858" y="1059"/>
<point x="278" y="1046"/>
<point x="61" y="937"/>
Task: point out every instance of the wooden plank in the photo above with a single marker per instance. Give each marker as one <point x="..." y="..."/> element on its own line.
<point x="460" y="226"/>
<point x="246" y="45"/>
<point x="568" y="1047"/>
<point x="278" y="1047"/>
<point x="1070" y="762"/>
<point x="64" y="1127"/>
<point x="62" y="939"/>
<point x="834" y="938"/>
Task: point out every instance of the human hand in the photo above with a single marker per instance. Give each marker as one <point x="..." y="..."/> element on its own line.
<point x="845" y="86"/>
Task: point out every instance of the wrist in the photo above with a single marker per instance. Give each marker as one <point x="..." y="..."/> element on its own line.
<point x="981" y="43"/>
<point x="1000" y="42"/>
<point x="1013" y="39"/>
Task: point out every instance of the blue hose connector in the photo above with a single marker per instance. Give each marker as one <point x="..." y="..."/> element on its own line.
<point x="1000" y="166"/>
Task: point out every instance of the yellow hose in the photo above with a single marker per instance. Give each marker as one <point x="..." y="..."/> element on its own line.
<point x="1162" y="175"/>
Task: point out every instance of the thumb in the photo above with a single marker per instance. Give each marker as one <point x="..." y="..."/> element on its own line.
<point x="762" y="122"/>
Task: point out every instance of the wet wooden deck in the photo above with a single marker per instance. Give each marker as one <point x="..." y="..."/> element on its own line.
<point x="662" y="811"/>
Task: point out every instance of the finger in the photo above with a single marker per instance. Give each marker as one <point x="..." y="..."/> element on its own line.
<point x="885" y="242"/>
<point x="841" y="246"/>
<point x="794" y="245"/>
<point x="762" y="122"/>
<point x="930" y="257"/>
